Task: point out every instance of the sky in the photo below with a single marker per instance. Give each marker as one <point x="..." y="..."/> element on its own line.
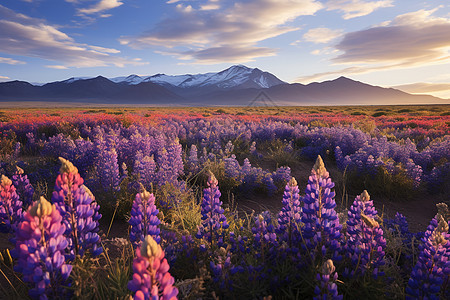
<point x="403" y="44"/>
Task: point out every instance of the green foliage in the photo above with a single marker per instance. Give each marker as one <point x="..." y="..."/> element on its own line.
<point x="397" y="187"/>
<point x="113" y="277"/>
<point x="276" y="151"/>
<point x="379" y="114"/>
<point x="8" y="140"/>
<point x="358" y="113"/>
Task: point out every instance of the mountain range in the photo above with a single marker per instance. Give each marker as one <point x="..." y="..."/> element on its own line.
<point x="237" y="86"/>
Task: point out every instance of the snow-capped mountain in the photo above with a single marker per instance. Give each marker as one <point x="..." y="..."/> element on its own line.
<point x="242" y="77"/>
<point x="73" y="79"/>
<point x="131" y="79"/>
<point x="238" y="76"/>
<point x="237" y="85"/>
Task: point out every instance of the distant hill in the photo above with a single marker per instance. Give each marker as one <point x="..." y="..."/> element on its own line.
<point x="237" y="85"/>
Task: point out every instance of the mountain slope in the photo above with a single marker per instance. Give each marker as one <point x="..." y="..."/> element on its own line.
<point x="237" y="77"/>
<point x="237" y="85"/>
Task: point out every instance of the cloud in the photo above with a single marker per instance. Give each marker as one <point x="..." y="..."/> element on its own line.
<point x="4" y="77"/>
<point x="321" y="35"/>
<point x="30" y="37"/>
<point x="209" y="6"/>
<point x="423" y="87"/>
<point x="225" y="54"/>
<point x="203" y="34"/>
<point x="410" y="40"/>
<point x="356" y="8"/>
<point x="101" y="6"/>
<point x="57" y="67"/>
<point x="10" y="61"/>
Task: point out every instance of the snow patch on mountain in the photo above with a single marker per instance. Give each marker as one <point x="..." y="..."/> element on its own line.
<point x="237" y="76"/>
<point x="131" y="79"/>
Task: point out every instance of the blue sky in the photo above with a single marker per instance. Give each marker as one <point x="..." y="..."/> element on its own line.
<point x="391" y="43"/>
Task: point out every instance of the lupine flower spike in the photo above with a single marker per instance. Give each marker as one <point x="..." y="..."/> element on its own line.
<point x="151" y="277"/>
<point x="40" y="251"/>
<point x="365" y="242"/>
<point x="213" y="219"/>
<point x="23" y="187"/>
<point x="289" y="218"/>
<point x="144" y="218"/>
<point x="431" y="274"/>
<point x="322" y="229"/>
<point x="10" y="206"/>
<point x="79" y="210"/>
<point x="326" y="287"/>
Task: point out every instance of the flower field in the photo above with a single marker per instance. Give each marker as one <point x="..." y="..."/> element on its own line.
<point x="224" y="203"/>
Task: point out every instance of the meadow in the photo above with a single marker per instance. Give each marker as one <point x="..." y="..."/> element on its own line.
<point x="345" y="202"/>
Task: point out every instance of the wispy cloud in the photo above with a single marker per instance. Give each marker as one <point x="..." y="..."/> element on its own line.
<point x="57" y="67"/>
<point x="30" y="37"/>
<point x="101" y="7"/>
<point x="224" y="54"/>
<point x="423" y="87"/>
<point x="356" y="8"/>
<point x="321" y="35"/>
<point x="413" y="38"/>
<point x="203" y="35"/>
<point x="3" y="78"/>
<point x="410" y="40"/>
<point x="10" y="61"/>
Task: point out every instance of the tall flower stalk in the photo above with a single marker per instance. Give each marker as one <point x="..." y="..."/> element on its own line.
<point x="79" y="210"/>
<point x="326" y="287"/>
<point x="23" y="187"/>
<point x="144" y="218"/>
<point x="10" y="206"/>
<point x="40" y="251"/>
<point x="289" y="218"/>
<point x="321" y="229"/>
<point x="151" y="277"/>
<point x="430" y="277"/>
<point x="214" y="221"/>
<point x="365" y="242"/>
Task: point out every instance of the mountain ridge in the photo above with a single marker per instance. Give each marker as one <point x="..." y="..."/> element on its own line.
<point x="237" y="85"/>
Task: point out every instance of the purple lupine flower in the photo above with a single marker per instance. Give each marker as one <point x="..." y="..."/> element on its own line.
<point x="398" y="225"/>
<point x="229" y="148"/>
<point x="144" y="169"/>
<point x="79" y="211"/>
<point x="144" y="218"/>
<point x="213" y="219"/>
<point x="253" y="149"/>
<point x="23" y="187"/>
<point x="264" y="236"/>
<point x="281" y="176"/>
<point x="326" y="287"/>
<point x="40" y="251"/>
<point x="232" y="167"/>
<point x="365" y="242"/>
<point x="193" y="164"/>
<point x="10" y="206"/>
<point x="431" y="274"/>
<point x="151" y="277"/>
<point x="321" y="228"/>
<point x="289" y="218"/>
<point x="124" y="170"/>
<point x="106" y="164"/>
<point x="222" y="269"/>
<point x="108" y="170"/>
<point x="175" y="160"/>
<point x="164" y="170"/>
